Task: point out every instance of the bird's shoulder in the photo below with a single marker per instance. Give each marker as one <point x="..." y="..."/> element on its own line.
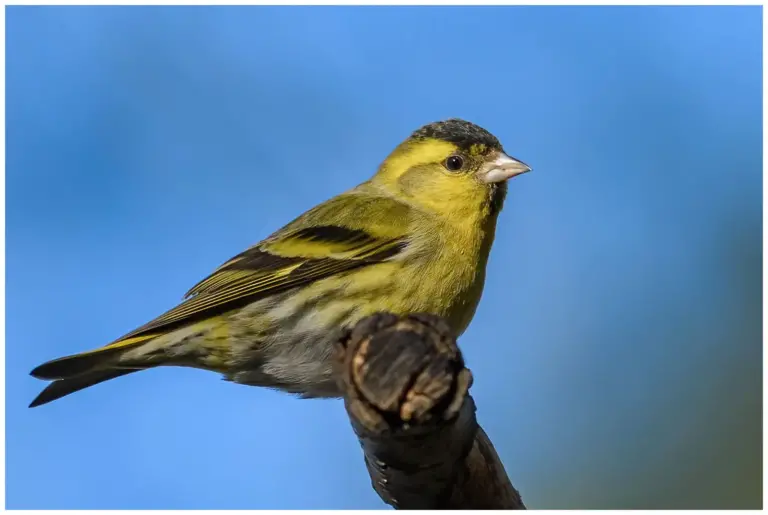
<point x="364" y="208"/>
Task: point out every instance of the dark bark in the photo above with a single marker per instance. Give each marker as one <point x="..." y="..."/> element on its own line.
<point x="406" y="391"/>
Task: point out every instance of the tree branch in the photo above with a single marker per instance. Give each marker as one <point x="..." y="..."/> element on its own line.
<point x="406" y="391"/>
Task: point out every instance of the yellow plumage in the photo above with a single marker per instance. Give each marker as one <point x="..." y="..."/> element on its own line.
<point x="413" y="238"/>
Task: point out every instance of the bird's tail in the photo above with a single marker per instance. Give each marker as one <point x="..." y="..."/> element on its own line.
<point x="61" y="387"/>
<point x="74" y="373"/>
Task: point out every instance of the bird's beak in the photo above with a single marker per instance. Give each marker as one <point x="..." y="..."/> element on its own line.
<point x="503" y="168"/>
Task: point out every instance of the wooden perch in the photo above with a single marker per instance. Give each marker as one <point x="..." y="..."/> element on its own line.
<point x="406" y="391"/>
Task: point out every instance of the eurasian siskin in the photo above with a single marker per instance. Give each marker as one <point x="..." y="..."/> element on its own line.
<point x="413" y="238"/>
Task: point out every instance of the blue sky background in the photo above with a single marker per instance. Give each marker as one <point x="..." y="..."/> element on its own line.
<point x="616" y="351"/>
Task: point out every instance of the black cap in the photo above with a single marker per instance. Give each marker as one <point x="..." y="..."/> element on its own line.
<point x="460" y="132"/>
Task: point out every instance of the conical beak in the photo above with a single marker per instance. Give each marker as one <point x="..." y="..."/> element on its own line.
<point x="503" y="168"/>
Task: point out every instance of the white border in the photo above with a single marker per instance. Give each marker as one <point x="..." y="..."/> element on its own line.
<point x="402" y="2"/>
<point x="338" y="2"/>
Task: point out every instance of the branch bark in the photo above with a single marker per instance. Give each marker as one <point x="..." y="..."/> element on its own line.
<point x="406" y="391"/>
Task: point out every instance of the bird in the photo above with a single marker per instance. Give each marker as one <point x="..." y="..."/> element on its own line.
<point x="413" y="238"/>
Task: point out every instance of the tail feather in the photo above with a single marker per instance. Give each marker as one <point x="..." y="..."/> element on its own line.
<point x="63" y="387"/>
<point x="73" y="366"/>
<point x="73" y="373"/>
<point x="79" y="364"/>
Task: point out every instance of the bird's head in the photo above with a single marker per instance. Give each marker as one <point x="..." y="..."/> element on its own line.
<point x="450" y="166"/>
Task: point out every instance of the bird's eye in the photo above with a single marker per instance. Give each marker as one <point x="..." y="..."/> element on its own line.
<point x="454" y="163"/>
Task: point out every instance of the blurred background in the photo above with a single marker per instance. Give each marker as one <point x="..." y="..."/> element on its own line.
<point x="617" y="349"/>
